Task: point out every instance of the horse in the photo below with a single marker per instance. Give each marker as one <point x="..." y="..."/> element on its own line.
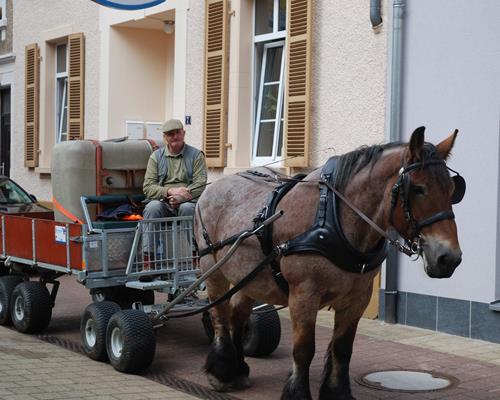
<point x="404" y="187"/>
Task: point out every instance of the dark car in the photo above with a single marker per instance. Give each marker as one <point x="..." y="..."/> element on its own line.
<point x="14" y="200"/>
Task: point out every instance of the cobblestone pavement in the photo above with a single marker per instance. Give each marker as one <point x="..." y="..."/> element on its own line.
<point x="34" y="370"/>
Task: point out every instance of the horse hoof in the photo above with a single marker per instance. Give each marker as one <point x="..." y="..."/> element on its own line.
<point x="242" y="382"/>
<point x="239" y="383"/>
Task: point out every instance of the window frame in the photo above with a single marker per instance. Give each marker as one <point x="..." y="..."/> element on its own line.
<point x="260" y="160"/>
<point x="272" y="39"/>
<point x="64" y="104"/>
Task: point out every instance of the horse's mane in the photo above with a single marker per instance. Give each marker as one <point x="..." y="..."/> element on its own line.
<point x="351" y="163"/>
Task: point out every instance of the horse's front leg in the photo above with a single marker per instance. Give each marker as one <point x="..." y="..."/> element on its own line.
<point x="240" y="312"/>
<point x="224" y="366"/>
<point x="303" y="312"/>
<point x="336" y="384"/>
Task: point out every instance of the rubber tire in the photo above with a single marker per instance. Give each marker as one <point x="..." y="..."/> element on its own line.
<point x="262" y="333"/>
<point x="123" y="296"/>
<point x="37" y="307"/>
<point x="7" y="286"/>
<point x="139" y="342"/>
<point x="100" y="313"/>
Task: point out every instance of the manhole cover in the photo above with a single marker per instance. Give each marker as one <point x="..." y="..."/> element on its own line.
<point x="406" y="380"/>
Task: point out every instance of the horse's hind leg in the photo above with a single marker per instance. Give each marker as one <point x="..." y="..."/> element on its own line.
<point x="303" y="312"/>
<point x="336" y="384"/>
<point x="224" y="366"/>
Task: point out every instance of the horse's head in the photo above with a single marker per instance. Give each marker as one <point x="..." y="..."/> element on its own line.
<point x="425" y="193"/>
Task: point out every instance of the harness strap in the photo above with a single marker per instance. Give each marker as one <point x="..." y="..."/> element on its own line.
<point x="435" y="218"/>
<point x="247" y="279"/>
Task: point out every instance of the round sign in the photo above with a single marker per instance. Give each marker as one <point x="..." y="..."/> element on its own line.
<point x="129" y="4"/>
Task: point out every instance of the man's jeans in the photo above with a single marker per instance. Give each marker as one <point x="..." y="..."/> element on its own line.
<point x="161" y="209"/>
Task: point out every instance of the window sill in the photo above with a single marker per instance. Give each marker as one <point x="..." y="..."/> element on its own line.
<point x="43" y="171"/>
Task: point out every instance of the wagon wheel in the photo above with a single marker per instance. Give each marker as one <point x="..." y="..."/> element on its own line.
<point x="262" y="333"/>
<point x="93" y="328"/>
<point x="123" y="296"/>
<point x="130" y="341"/>
<point x="31" y="307"/>
<point x="7" y="285"/>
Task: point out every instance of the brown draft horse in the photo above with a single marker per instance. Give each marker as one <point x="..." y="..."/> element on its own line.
<point x="366" y="178"/>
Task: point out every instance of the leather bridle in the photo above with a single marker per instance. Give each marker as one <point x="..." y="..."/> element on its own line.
<point x="402" y="189"/>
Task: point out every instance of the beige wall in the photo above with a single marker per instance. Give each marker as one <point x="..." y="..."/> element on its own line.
<point x="41" y="21"/>
<point x="349" y="77"/>
<point x="140" y="82"/>
<point x="132" y="73"/>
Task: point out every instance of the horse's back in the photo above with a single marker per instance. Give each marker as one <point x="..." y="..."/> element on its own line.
<point x="232" y="202"/>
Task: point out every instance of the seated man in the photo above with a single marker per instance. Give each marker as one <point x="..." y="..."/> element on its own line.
<point x="175" y="177"/>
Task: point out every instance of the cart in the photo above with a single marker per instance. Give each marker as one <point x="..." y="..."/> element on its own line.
<point x="123" y="264"/>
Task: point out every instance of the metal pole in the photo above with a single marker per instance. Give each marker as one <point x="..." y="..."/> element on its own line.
<point x="391" y="280"/>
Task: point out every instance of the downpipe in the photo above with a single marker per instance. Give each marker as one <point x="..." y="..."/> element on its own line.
<point x="392" y="263"/>
<point x="375" y="14"/>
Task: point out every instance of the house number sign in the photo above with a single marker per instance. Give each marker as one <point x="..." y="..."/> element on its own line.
<point x="129" y="4"/>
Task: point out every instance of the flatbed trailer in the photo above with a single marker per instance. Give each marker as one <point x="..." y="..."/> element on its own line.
<point x="123" y="264"/>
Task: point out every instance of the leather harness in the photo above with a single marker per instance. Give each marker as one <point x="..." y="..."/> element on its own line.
<point x="325" y="235"/>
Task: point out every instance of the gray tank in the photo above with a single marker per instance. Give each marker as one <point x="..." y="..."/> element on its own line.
<point x="89" y="168"/>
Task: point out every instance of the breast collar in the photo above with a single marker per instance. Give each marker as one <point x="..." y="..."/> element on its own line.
<point x="326" y="236"/>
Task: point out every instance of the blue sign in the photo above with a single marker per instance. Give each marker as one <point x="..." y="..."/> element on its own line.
<point x="129" y="4"/>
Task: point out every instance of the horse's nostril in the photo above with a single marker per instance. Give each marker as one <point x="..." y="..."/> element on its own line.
<point x="448" y="260"/>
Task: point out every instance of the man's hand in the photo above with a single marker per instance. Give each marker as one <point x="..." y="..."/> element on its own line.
<point x="176" y="196"/>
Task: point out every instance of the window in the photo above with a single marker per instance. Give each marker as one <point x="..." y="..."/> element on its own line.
<point x="269" y="39"/>
<point x="61" y="92"/>
<point x="3" y="19"/>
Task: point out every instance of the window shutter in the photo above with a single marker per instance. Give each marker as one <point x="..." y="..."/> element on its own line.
<point x="31" y="105"/>
<point x="216" y="70"/>
<point x="76" y="85"/>
<point x="298" y="83"/>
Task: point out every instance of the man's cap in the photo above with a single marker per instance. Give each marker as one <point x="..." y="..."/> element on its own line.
<point x="172" y="125"/>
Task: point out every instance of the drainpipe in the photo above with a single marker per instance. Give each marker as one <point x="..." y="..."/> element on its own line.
<point x="391" y="280"/>
<point x="375" y="13"/>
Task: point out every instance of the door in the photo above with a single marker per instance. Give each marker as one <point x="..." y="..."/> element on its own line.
<point x="5" y="131"/>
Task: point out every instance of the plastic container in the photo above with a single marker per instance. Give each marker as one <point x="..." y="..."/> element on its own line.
<point x="93" y="168"/>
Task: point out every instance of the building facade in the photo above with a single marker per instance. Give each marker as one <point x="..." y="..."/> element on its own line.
<point x="284" y="82"/>
<point x="7" y="64"/>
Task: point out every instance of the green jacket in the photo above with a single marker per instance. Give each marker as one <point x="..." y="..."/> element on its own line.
<point x="177" y="175"/>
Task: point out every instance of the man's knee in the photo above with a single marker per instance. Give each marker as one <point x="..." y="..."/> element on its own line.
<point x="186" y="209"/>
<point x="154" y="209"/>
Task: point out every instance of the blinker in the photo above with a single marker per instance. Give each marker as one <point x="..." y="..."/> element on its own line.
<point x="459" y="191"/>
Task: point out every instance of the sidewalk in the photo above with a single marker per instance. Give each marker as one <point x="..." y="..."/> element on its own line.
<point x="32" y="369"/>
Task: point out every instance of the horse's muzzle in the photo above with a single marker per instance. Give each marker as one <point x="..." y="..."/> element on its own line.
<point x="440" y="260"/>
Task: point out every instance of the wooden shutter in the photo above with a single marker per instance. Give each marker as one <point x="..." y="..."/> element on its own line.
<point x="298" y="83"/>
<point x="31" y="105"/>
<point x="76" y="86"/>
<point x="216" y="70"/>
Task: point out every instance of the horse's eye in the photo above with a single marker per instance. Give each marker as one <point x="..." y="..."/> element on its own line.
<point x="418" y="190"/>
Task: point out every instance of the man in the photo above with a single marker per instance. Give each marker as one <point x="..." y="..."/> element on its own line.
<point x="175" y="177"/>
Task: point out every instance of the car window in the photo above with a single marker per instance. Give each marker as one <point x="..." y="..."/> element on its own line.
<point x="10" y="193"/>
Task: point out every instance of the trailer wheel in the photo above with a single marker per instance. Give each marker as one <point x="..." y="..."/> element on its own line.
<point x="31" y="307"/>
<point x="123" y="296"/>
<point x="7" y="285"/>
<point x="93" y="328"/>
<point x="130" y="341"/>
<point x="262" y="333"/>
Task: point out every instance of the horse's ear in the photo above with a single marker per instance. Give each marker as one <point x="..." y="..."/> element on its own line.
<point x="417" y="143"/>
<point x="444" y="148"/>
